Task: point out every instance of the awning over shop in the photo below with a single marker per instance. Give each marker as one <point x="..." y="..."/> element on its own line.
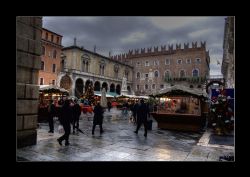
<point x="52" y="89"/>
<point x="109" y="94"/>
<point x="181" y="90"/>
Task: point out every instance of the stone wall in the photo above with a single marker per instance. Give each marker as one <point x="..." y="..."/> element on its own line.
<point x="28" y="61"/>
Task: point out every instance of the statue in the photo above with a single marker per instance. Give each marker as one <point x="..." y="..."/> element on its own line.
<point x="124" y="84"/>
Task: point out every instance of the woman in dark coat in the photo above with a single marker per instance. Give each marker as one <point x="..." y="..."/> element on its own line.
<point x="98" y="117"/>
<point x="65" y="119"/>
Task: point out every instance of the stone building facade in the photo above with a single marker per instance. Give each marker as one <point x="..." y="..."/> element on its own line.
<point x="80" y="67"/>
<point x="228" y="62"/>
<point x="51" y="57"/>
<point x="28" y="61"/>
<point x="155" y="69"/>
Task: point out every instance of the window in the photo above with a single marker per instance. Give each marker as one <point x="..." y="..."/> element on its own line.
<point x="167" y="61"/>
<point x="53" y="82"/>
<point x="146" y="63"/>
<point x="197" y="60"/>
<point x="54" y="68"/>
<point x="153" y="86"/>
<point x="188" y="61"/>
<point x="138" y="64"/>
<point x="146" y="75"/>
<point x="156" y="73"/>
<point x="54" y="54"/>
<point x="156" y="62"/>
<point x="42" y="65"/>
<point x="57" y="40"/>
<point x="49" y="54"/>
<point x="146" y="86"/>
<point x="52" y="38"/>
<point x="195" y="73"/>
<point x="46" y="36"/>
<point x="138" y="75"/>
<point x="179" y="61"/>
<point x="101" y="69"/>
<point x="161" y="86"/>
<point x="137" y="87"/>
<point x="41" y="81"/>
<point x="182" y="73"/>
<point x="167" y="74"/>
<point x="87" y="66"/>
<point x="43" y="50"/>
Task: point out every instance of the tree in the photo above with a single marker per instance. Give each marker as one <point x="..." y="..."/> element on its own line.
<point x="89" y="94"/>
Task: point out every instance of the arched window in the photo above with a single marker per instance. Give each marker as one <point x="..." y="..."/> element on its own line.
<point x="195" y="73"/>
<point x="138" y="75"/>
<point x="182" y="73"/>
<point x="167" y="74"/>
<point x="146" y="86"/>
<point x="54" y="54"/>
<point x="42" y="65"/>
<point x="156" y="74"/>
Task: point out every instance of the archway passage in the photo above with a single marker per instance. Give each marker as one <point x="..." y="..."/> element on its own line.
<point x="105" y="85"/>
<point x="79" y="88"/>
<point x="87" y="84"/>
<point x="97" y="86"/>
<point x="112" y="88"/>
<point x="65" y="82"/>
<point x="214" y="82"/>
<point x="118" y="89"/>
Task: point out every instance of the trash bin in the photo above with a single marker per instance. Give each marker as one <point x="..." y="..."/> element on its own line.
<point x="149" y="124"/>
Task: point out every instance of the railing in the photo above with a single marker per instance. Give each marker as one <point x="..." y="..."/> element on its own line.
<point x="187" y="79"/>
<point x="215" y="77"/>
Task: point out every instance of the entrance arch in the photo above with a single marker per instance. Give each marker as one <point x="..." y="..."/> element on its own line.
<point x="105" y="85"/>
<point x="79" y="88"/>
<point x="112" y="88"/>
<point x="87" y="84"/>
<point x="214" y="82"/>
<point x="129" y="89"/>
<point x="118" y="89"/>
<point x="66" y="82"/>
<point x="97" y="86"/>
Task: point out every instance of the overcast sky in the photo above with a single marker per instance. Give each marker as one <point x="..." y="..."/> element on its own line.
<point x="119" y="34"/>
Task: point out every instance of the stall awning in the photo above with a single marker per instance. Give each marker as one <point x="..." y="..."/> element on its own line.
<point x="98" y="93"/>
<point x="52" y="88"/>
<point x="181" y="90"/>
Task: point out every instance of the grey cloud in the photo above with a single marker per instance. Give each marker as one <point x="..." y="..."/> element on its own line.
<point x="107" y="33"/>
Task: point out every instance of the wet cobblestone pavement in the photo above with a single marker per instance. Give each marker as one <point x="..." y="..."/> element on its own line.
<point x="120" y="143"/>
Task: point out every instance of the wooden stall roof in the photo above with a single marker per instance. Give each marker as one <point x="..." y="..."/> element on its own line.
<point x="180" y="90"/>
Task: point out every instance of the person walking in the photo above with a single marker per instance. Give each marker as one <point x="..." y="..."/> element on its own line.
<point x="109" y="105"/>
<point x="76" y="115"/>
<point x="135" y="109"/>
<point x="142" y="114"/>
<point x="52" y="114"/>
<point x="65" y="120"/>
<point x="98" y="118"/>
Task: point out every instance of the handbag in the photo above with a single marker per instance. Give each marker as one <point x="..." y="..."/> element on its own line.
<point x="60" y="129"/>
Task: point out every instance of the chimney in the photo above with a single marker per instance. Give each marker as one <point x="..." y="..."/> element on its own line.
<point x="75" y="41"/>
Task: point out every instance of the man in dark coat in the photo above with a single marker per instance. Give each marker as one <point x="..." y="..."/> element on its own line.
<point x="142" y="114"/>
<point x="76" y="115"/>
<point x="135" y="109"/>
<point x="98" y="118"/>
<point x="52" y="114"/>
<point x="65" y="119"/>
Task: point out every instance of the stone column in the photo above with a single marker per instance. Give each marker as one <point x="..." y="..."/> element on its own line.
<point x="28" y="60"/>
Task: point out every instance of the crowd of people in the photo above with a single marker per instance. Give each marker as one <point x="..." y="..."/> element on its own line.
<point x="70" y="112"/>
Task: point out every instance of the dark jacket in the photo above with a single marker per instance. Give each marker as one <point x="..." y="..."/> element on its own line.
<point x="66" y="116"/>
<point x="76" y="111"/>
<point x="98" y="117"/>
<point x="52" y="110"/>
<point x="142" y="112"/>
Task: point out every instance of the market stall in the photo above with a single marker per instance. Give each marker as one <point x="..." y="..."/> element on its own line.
<point x="180" y="108"/>
<point x="46" y="93"/>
